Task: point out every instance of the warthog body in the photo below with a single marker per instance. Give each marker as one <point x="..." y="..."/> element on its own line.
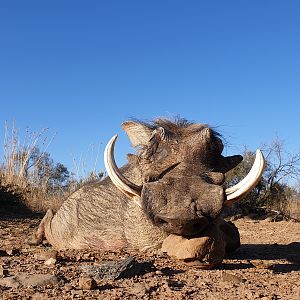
<point x="172" y="185"/>
<point x="101" y="217"/>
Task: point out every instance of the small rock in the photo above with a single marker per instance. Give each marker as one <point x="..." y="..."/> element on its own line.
<point x="208" y="248"/>
<point x="68" y="287"/>
<point x="261" y="264"/>
<point x="12" y="251"/>
<point x="139" y="289"/>
<point x="183" y="248"/>
<point x="87" y="283"/>
<point x="78" y="257"/>
<point x="232" y="278"/>
<point x="278" y="218"/>
<point x="197" y="264"/>
<point x="45" y="255"/>
<point x="86" y="256"/>
<point x="125" y="268"/>
<point x="51" y="261"/>
<point x="175" y="285"/>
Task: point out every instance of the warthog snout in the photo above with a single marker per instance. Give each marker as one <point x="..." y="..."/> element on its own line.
<point x="182" y="227"/>
<point x="183" y="206"/>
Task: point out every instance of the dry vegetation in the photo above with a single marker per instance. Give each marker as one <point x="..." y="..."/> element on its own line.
<point x="24" y="175"/>
<point x="277" y="189"/>
<point x="291" y="208"/>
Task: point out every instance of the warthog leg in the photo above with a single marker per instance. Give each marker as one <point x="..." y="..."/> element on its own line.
<point x="38" y="237"/>
<point x="231" y="236"/>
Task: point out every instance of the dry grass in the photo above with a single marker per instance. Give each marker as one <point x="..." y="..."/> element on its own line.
<point x="291" y="208"/>
<point x="20" y="174"/>
<point x="24" y="175"/>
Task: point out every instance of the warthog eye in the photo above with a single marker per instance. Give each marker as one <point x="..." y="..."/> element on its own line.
<point x="167" y="170"/>
<point x="159" y="221"/>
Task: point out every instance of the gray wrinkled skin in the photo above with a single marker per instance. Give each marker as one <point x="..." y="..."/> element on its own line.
<point x="181" y="169"/>
<point x="98" y="216"/>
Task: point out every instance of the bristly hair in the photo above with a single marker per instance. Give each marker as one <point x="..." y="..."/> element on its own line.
<point x="167" y="123"/>
<point x="172" y="125"/>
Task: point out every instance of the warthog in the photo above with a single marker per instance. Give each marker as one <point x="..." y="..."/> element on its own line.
<point x="173" y="185"/>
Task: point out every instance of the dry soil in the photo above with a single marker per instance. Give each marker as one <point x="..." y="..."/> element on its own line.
<point x="267" y="266"/>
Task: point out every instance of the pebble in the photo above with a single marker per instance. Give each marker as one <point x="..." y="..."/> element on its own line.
<point x="45" y="255"/>
<point x="232" y="278"/>
<point x="139" y="289"/>
<point x="87" y="283"/>
<point x="78" y="257"/>
<point x="175" y="285"/>
<point x="261" y="264"/>
<point x="12" y="251"/>
<point x="68" y="287"/>
<point x="51" y="261"/>
<point x="86" y="256"/>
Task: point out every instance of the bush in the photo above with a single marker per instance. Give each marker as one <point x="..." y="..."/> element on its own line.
<point x="273" y="191"/>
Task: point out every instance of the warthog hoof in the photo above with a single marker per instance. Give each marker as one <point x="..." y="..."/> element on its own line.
<point x="34" y="240"/>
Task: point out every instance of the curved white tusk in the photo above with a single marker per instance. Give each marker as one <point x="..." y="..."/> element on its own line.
<point x="122" y="183"/>
<point x="242" y="188"/>
<point x="252" y="173"/>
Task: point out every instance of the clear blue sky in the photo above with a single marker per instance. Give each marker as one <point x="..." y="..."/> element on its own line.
<point x="83" y="67"/>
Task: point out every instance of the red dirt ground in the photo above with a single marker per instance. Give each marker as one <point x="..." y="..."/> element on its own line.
<point x="267" y="266"/>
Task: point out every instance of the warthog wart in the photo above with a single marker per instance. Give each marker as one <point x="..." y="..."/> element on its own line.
<point x="172" y="185"/>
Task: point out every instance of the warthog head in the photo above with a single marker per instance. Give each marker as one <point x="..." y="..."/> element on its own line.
<point x="182" y="174"/>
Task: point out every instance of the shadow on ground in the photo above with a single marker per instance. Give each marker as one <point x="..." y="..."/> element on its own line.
<point x="268" y="251"/>
<point x="265" y="254"/>
<point x="12" y="207"/>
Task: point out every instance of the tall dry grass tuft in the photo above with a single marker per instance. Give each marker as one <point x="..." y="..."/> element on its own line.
<point x="20" y="175"/>
<point x="291" y="208"/>
<point x="28" y="173"/>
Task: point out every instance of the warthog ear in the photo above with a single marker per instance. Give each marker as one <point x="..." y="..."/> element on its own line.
<point x="227" y="163"/>
<point x="158" y="135"/>
<point x="138" y="133"/>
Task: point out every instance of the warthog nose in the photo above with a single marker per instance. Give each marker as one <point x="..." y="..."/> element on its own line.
<point x="211" y="201"/>
<point x="181" y="226"/>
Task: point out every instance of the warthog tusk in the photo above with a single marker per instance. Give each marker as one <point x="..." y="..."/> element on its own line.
<point x="122" y="183"/>
<point x="242" y="188"/>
